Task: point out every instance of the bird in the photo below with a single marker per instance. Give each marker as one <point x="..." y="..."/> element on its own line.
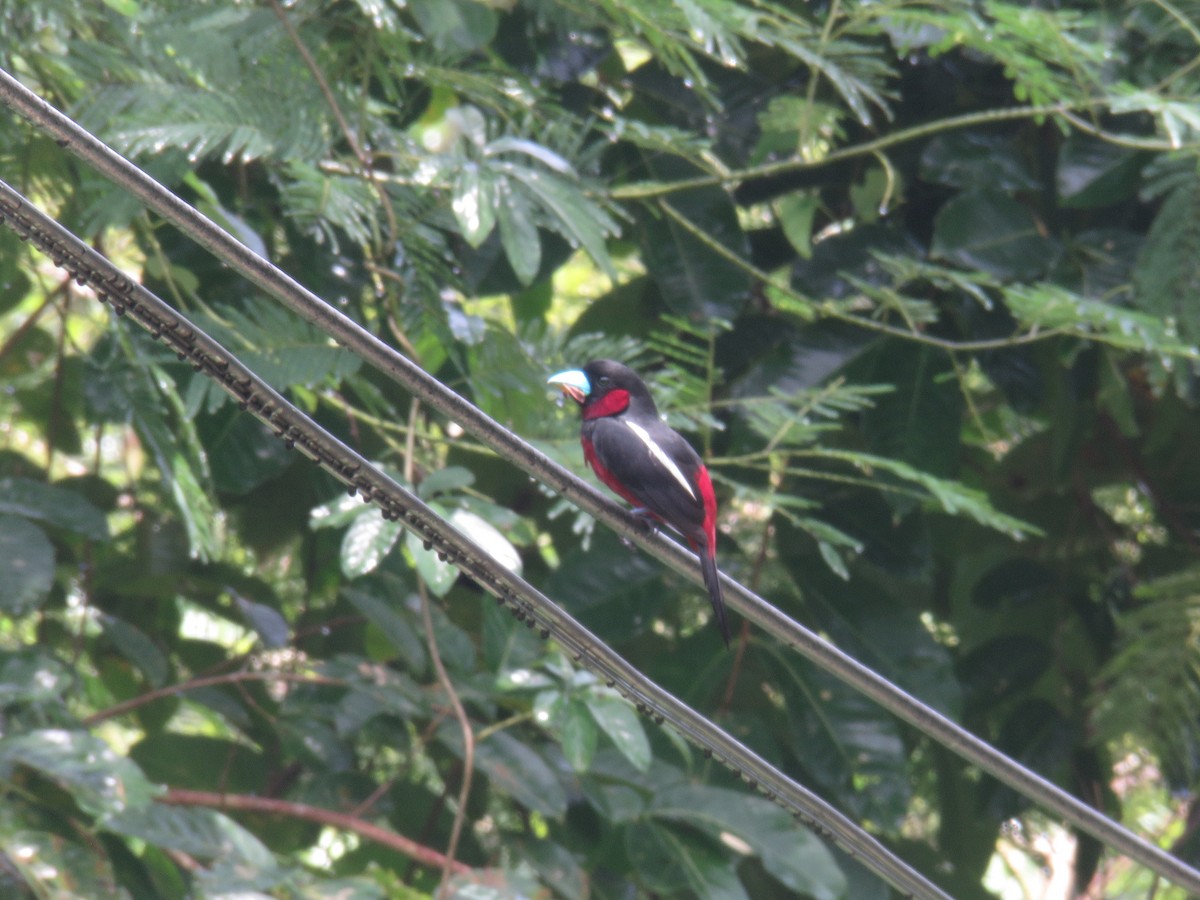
<point x="646" y="462"/>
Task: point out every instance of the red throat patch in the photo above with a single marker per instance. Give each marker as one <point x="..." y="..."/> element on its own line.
<point x="613" y="403"/>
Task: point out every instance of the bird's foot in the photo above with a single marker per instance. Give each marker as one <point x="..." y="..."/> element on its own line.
<point x="648" y="521"/>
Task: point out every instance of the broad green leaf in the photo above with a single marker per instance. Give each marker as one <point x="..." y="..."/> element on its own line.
<point x="445" y="481"/>
<point x="474" y="203"/>
<point x="101" y="782"/>
<point x="133" y="643"/>
<point x="42" y="860"/>
<point x="790" y="852"/>
<point x="514" y="769"/>
<point x="673" y="861"/>
<point x="492" y="884"/>
<point x="584" y="223"/>
<point x="1092" y="173"/>
<point x="201" y="762"/>
<point x="268" y="623"/>
<point x="974" y="159"/>
<point x="919" y="421"/>
<point x="620" y="721"/>
<point x="556" y="866"/>
<point x="243" y="453"/>
<point x="399" y="629"/>
<point x="1167" y="275"/>
<point x="52" y="505"/>
<point x="29" y="676"/>
<point x="696" y="280"/>
<point x="28" y="571"/>
<point x="203" y="833"/>
<point x="841" y="737"/>
<point x="519" y="233"/>
<point x="337" y="513"/>
<point x="989" y="231"/>
<point x="455" y="25"/>
<point x="375" y="691"/>
<point x="437" y="573"/>
<point x="367" y="541"/>
<point x="796" y="213"/>
<point x="488" y="537"/>
<point x="579" y="736"/>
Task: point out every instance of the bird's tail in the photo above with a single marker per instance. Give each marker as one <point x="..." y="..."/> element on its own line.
<point x="712" y="581"/>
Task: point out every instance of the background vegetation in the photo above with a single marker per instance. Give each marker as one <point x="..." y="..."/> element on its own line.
<point x="919" y="280"/>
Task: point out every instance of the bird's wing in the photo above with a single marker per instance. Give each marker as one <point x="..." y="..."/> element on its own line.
<point x="655" y="466"/>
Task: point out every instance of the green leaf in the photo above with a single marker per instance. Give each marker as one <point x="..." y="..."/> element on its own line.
<point x="279" y="346"/>
<point x="556" y="866"/>
<point x="203" y="833"/>
<point x="52" y="505"/>
<point x="695" y="280"/>
<point x="920" y="420"/>
<point x="28" y="676"/>
<point x="102" y="783"/>
<point x="519" y="233"/>
<point x="582" y="222"/>
<point x="1167" y="275"/>
<point x="243" y="452"/>
<point x="989" y="231"/>
<point x="135" y="646"/>
<point x="788" y="851"/>
<point x="953" y="497"/>
<point x="438" y="574"/>
<point x="474" y="203"/>
<point x="674" y="861"/>
<point x="28" y="570"/>
<point x="455" y="25"/>
<point x="796" y="213"/>
<point x="337" y="513"/>
<point x="973" y="159"/>
<point x="367" y="541"/>
<point x="1048" y="306"/>
<point x="268" y="623"/>
<point x="444" y="481"/>
<point x="620" y="721"/>
<point x="846" y="739"/>
<point x="1093" y="173"/>
<point x="488" y="537"/>
<point x="396" y="626"/>
<point x="578" y="734"/>
<point x="201" y="762"/>
<point x="514" y="769"/>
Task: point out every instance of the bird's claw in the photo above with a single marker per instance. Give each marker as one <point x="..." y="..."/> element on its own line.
<point x="646" y="519"/>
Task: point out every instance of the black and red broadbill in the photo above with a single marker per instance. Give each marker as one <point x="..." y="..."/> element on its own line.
<point x="639" y="457"/>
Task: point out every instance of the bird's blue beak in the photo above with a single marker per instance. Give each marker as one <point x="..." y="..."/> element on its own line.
<point x="574" y="384"/>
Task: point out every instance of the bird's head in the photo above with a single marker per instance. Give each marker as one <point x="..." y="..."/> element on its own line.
<point x="605" y="388"/>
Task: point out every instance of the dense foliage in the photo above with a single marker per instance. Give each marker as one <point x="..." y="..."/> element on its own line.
<point x="917" y="278"/>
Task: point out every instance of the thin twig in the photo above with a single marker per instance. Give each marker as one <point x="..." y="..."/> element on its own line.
<point x="464" y="792"/>
<point x="272" y="806"/>
<point x="132" y="703"/>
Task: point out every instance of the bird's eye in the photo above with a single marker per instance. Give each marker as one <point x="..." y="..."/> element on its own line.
<point x="603" y="381"/>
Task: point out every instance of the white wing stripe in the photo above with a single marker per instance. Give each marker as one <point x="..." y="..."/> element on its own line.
<point x="658" y="453"/>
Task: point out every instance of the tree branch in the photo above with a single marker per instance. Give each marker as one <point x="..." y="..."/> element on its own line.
<point x="344" y="821"/>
